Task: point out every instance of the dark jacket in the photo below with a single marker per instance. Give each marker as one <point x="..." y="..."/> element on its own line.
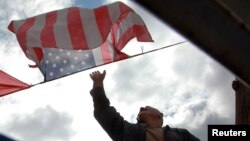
<point x="121" y="130"/>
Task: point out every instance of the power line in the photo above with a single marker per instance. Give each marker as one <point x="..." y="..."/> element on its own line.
<point x="117" y="61"/>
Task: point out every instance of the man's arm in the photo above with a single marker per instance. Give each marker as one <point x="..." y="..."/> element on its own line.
<point x="98" y="94"/>
<point x="110" y="120"/>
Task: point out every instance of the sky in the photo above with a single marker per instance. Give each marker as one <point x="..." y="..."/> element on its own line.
<point x="187" y="85"/>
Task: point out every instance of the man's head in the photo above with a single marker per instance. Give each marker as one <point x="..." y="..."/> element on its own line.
<point x="150" y="116"/>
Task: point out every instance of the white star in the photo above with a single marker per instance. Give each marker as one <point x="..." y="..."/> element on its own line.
<point x="47" y="61"/>
<point x="86" y="55"/>
<point x="57" y="57"/>
<point x="83" y="63"/>
<point x="61" y="69"/>
<point x="72" y="66"/>
<point x="65" y="61"/>
<point x="50" y="53"/>
<point x="54" y="65"/>
<point x="68" y="53"/>
<point x="51" y="73"/>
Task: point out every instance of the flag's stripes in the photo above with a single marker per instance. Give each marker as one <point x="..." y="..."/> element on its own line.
<point x="61" y="32"/>
<point x="126" y="23"/>
<point x="124" y="8"/>
<point x="114" y="12"/>
<point x="107" y="51"/>
<point x="21" y="33"/>
<point x="100" y="13"/>
<point x="91" y="30"/>
<point x="129" y="25"/>
<point x="17" y="25"/>
<point x="33" y="37"/>
<point x="98" y="56"/>
<point x="75" y="27"/>
<point x="47" y="34"/>
<point x="33" y="34"/>
<point x="106" y="55"/>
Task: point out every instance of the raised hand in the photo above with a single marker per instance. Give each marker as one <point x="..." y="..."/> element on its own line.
<point x="97" y="78"/>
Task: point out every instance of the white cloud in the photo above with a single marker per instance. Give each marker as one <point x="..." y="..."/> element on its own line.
<point x="44" y="124"/>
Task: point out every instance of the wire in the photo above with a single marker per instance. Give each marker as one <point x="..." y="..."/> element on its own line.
<point x="143" y="53"/>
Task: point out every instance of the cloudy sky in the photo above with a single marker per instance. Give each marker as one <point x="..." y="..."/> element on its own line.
<point x="189" y="87"/>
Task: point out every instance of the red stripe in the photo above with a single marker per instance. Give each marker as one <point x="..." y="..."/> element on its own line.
<point x="103" y="21"/>
<point x="22" y="33"/>
<point x="142" y="33"/>
<point x="106" y="57"/>
<point x="138" y="31"/>
<point x="39" y="53"/>
<point x="117" y="25"/>
<point x="124" y="8"/>
<point x="120" y="56"/>
<point x="11" y="27"/>
<point x="47" y="34"/>
<point x="75" y="28"/>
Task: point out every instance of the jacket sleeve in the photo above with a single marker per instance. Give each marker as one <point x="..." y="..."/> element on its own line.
<point x="107" y="116"/>
<point x="179" y="134"/>
<point x="188" y="136"/>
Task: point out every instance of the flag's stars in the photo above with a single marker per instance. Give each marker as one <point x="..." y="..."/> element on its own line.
<point x="61" y="69"/>
<point x="68" y="53"/>
<point x="83" y="63"/>
<point x="54" y="65"/>
<point x="57" y="57"/>
<point x="51" y="74"/>
<point x="50" y="53"/>
<point x="86" y="55"/>
<point x="65" y="61"/>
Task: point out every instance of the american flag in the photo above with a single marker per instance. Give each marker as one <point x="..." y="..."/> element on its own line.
<point x="100" y="33"/>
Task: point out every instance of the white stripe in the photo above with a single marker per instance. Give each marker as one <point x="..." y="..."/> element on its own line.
<point x="33" y="36"/>
<point x="17" y="25"/>
<point x="97" y="56"/>
<point x="131" y="19"/>
<point x="34" y="33"/>
<point x="111" y="52"/>
<point x="90" y="28"/>
<point x="61" y="32"/>
<point x="114" y="11"/>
